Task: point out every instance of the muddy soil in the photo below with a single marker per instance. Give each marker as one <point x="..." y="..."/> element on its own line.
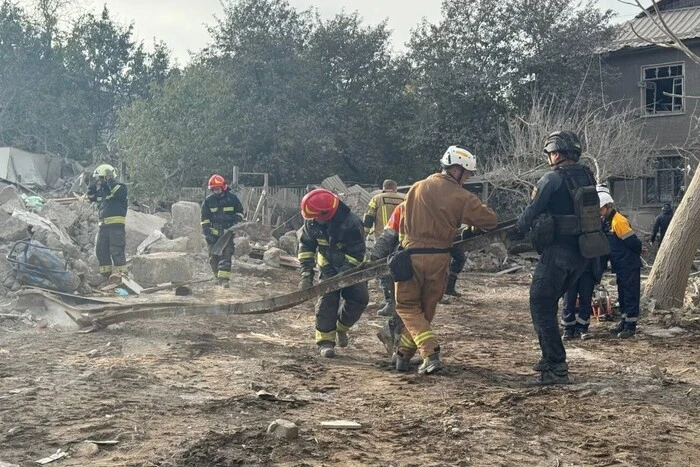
<point x="182" y="392"/>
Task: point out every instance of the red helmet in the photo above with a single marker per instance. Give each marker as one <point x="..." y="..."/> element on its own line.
<point x="217" y="181"/>
<point x="319" y="204"/>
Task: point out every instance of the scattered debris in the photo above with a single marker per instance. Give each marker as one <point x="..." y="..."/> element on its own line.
<point x="53" y="457"/>
<point x="284" y="429"/>
<point x="341" y="425"/>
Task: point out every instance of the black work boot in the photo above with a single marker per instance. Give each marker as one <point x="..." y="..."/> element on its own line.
<point x="430" y="365"/>
<point x="555" y="374"/>
<point x="450" y="290"/>
<point x="223" y="283"/>
<point x="540" y="366"/>
<point x="627" y="332"/>
<point x="326" y="350"/>
<point x="617" y="329"/>
<point x="569" y="334"/>
<point x="402" y="362"/>
<point x="342" y="338"/>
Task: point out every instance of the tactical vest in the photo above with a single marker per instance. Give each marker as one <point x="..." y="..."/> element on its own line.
<point x="585" y="222"/>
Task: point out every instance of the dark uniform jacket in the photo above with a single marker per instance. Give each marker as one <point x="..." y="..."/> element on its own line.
<point x="661" y="225"/>
<point x="552" y="195"/>
<point x="336" y="246"/>
<point x="221" y="212"/>
<point x="112" y="200"/>
<point x="625" y="246"/>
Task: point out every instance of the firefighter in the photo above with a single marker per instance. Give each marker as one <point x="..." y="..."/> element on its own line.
<point x="625" y="251"/>
<point x="111" y="197"/>
<point x="378" y="212"/>
<point x="661" y="223"/>
<point x="555" y="231"/>
<point x="435" y="208"/>
<point x="220" y="210"/>
<point x="332" y="237"/>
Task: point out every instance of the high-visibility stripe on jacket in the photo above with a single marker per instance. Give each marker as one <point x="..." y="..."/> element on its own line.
<point x="111" y="197"/>
<point x="335" y="246"/>
<point x="219" y="212"/>
<point x="625" y="246"/>
<point x="380" y="209"/>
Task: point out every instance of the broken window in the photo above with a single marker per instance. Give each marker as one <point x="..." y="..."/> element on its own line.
<point x="666" y="187"/>
<point x="662" y="88"/>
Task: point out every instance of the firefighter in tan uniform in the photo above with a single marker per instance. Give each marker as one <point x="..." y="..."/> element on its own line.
<point x="379" y="210"/>
<point x="434" y="209"/>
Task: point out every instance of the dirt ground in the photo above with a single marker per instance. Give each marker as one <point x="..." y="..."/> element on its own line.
<point x="182" y="392"/>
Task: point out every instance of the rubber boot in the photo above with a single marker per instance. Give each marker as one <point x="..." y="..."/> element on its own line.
<point x="554" y="374"/>
<point x="402" y="363"/>
<point x="326" y="350"/>
<point x="450" y="290"/>
<point x="617" y="329"/>
<point x="388" y="309"/>
<point x="224" y="283"/>
<point x="540" y="366"/>
<point x="342" y="338"/>
<point x="430" y="365"/>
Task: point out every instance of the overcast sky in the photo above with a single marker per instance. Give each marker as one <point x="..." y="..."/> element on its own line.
<point x="181" y="23"/>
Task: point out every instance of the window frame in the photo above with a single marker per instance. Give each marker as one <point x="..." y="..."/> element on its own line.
<point x="643" y="89"/>
<point x="645" y="188"/>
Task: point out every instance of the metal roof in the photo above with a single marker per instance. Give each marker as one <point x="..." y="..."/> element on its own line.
<point x="685" y="24"/>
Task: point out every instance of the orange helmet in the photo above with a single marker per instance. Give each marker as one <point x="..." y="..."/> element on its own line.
<point x="217" y="181"/>
<point x="319" y="204"/>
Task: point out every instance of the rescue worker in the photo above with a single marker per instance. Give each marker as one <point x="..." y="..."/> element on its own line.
<point x="661" y="223"/>
<point x="435" y="208"/>
<point x="625" y="251"/>
<point x="378" y="212"/>
<point x="386" y="244"/>
<point x="578" y="299"/>
<point x="332" y="236"/>
<point x="221" y="210"/>
<point x="561" y="261"/>
<point x="111" y="197"/>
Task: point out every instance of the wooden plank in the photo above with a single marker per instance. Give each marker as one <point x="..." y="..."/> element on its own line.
<point x="341" y="425"/>
<point x="508" y="271"/>
<point x="132" y="285"/>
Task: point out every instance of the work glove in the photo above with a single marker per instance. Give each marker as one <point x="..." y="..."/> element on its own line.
<point x="306" y="282"/>
<point x="210" y="239"/>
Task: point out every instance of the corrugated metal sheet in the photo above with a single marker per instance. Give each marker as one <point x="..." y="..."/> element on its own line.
<point x="364" y="197"/>
<point x="685" y="24"/>
<point x="334" y="184"/>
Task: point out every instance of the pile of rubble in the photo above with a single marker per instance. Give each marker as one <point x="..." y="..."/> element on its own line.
<point x="162" y="247"/>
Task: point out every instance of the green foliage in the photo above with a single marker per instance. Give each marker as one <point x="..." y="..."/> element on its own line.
<point x="59" y="90"/>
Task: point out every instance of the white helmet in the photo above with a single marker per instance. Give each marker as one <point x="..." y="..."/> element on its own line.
<point x="459" y="156"/>
<point x="605" y="198"/>
<point x="602" y="189"/>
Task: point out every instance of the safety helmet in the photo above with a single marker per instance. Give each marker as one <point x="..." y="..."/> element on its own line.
<point x="605" y="198"/>
<point x="106" y="171"/>
<point x="666" y="208"/>
<point x="565" y="142"/>
<point x="217" y="181"/>
<point x="319" y="204"/>
<point x="458" y="156"/>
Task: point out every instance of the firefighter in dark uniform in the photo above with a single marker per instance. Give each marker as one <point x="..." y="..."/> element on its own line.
<point x="333" y="237"/>
<point x="111" y="197"/>
<point x="661" y="223"/>
<point x="561" y="261"/>
<point x="220" y="211"/>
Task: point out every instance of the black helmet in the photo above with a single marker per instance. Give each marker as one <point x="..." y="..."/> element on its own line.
<point x="666" y="208"/>
<point x="565" y="142"/>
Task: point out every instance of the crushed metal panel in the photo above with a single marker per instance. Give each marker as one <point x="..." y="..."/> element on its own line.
<point x="685" y="24"/>
<point x="335" y="184"/>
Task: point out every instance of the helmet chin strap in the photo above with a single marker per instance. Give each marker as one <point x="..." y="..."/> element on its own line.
<point x="461" y="174"/>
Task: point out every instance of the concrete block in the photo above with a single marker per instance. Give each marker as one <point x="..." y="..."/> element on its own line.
<point x="157" y="268"/>
<point x="284" y="429"/>
<point x="186" y="223"/>
<point x="272" y="257"/>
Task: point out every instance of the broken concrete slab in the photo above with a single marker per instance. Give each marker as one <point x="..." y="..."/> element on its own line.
<point x="272" y="257"/>
<point x="13" y="229"/>
<point x="289" y="244"/>
<point x="284" y="429"/>
<point x="157" y="268"/>
<point x="186" y="223"/>
<point x="178" y="245"/>
<point x="243" y="246"/>
<point x="60" y="215"/>
<point x="139" y="226"/>
<point x="10" y="195"/>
